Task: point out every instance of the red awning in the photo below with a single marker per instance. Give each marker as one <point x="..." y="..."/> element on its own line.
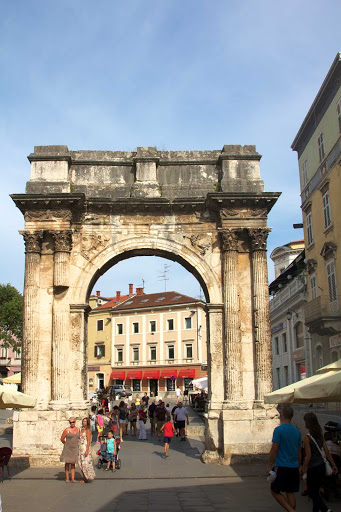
<point x="169" y="373"/>
<point x="187" y="373"/>
<point x="134" y="375"/>
<point x="117" y="375"/>
<point x="151" y="374"/>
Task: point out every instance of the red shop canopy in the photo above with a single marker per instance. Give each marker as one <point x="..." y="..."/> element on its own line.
<point x="187" y="373"/>
<point x="117" y="375"/>
<point x="134" y="375"/>
<point x="151" y="374"/>
<point x="167" y="374"/>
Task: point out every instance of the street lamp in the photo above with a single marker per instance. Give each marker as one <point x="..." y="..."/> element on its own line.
<point x="289" y="314"/>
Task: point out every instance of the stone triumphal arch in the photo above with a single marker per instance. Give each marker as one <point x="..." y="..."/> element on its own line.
<point x="85" y="211"/>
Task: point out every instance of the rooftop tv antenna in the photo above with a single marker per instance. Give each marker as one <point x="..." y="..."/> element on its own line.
<point x="164" y="275"/>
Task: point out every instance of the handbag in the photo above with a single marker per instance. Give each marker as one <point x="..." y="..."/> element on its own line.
<point x="329" y="470"/>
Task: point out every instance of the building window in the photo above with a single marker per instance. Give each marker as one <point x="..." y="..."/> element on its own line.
<point x="189" y="351"/>
<point x="305" y="172"/>
<point x="16" y="355"/>
<point x="286" y="375"/>
<point x="310" y="229"/>
<point x="276" y="346"/>
<point x="334" y="356"/>
<point x="100" y="325"/>
<point x="135" y="327"/>
<point x="299" y="335"/>
<point x="338" y="109"/>
<point x="278" y="373"/>
<point x="152" y="326"/>
<point x="136" y="354"/>
<point x="99" y="350"/>
<point x="284" y="343"/>
<point x="119" y="328"/>
<point x="331" y="277"/>
<point x="4" y="353"/>
<point x="320" y="143"/>
<point x="170" y="351"/>
<point x="170" y="385"/>
<point x="136" y="385"/>
<point x="120" y="355"/>
<point x="170" y="324"/>
<point x="319" y="357"/>
<point x="313" y="286"/>
<point x="152" y="353"/>
<point x="188" y="384"/>
<point x="326" y="210"/>
<point x="119" y="381"/>
<point x="188" y="323"/>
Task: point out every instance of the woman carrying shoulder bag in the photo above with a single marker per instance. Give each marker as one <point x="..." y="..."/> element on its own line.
<point x="314" y="463"/>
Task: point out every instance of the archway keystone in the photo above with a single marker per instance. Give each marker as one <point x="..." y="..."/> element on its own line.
<point x="87" y="210"/>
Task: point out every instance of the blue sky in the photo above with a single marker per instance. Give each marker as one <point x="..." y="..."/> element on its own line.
<point x="189" y="74"/>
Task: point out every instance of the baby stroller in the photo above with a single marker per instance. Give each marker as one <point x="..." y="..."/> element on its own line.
<point x="102" y="452"/>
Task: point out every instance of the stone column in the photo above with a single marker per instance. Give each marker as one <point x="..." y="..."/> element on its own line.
<point x="30" y="345"/>
<point x="61" y="345"/>
<point x="78" y="355"/>
<point x="233" y="353"/>
<point x="261" y="311"/>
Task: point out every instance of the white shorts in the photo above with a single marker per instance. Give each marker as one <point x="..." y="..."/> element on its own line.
<point x="122" y="422"/>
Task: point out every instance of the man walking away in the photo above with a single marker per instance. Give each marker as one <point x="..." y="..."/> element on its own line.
<point x="151" y="410"/>
<point x="181" y="417"/>
<point x="286" y="453"/>
<point x="160" y="415"/>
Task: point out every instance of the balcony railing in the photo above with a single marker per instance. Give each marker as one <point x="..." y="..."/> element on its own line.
<point x="321" y="307"/>
<point x="4" y="361"/>
<point x="290" y="290"/>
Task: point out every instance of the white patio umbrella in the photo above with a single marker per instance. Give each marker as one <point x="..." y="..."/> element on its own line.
<point x="336" y="367"/>
<point x="201" y="383"/>
<point x="10" y="399"/>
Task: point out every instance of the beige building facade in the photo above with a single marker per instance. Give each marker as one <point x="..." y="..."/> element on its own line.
<point x="318" y="146"/>
<point x="87" y="210"/>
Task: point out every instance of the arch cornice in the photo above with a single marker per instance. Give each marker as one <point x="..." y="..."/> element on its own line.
<point x="194" y="262"/>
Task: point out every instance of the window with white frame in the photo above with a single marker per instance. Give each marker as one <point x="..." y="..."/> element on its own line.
<point x="120" y="355"/>
<point x="119" y="328"/>
<point x="313" y="285"/>
<point x="100" y="325"/>
<point x="338" y="110"/>
<point x="4" y="353"/>
<point x="331" y="278"/>
<point x="152" y="353"/>
<point x="171" y="352"/>
<point x="135" y="327"/>
<point x="305" y="172"/>
<point x="17" y="354"/>
<point x="320" y="143"/>
<point x="310" y="229"/>
<point x="326" y="210"/>
<point x="99" y="350"/>
<point x="152" y="326"/>
<point x="136" y="354"/>
<point x="189" y="350"/>
<point x="170" y="324"/>
<point x="188" y="322"/>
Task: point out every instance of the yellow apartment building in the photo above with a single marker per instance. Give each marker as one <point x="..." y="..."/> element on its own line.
<point x="319" y="157"/>
<point x="150" y="342"/>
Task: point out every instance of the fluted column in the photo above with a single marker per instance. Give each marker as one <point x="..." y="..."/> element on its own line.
<point x="30" y="343"/>
<point x="261" y="311"/>
<point x="233" y="353"/>
<point x="61" y="360"/>
<point x="215" y="355"/>
<point x="78" y="355"/>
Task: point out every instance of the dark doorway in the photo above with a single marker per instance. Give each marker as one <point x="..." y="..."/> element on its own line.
<point x="153" y="387"/>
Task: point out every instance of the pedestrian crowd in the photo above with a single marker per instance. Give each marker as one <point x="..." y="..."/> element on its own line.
<point x="108" y="429"/>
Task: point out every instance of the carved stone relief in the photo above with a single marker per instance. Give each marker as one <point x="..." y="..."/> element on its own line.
<point x="200" y="242"/>
<point x="93" y="243"/>
<point x="32" y="241"/>
<point x="229" y="239"/>
<point x="259" y="238"/>
<point x="227" y="213"/>
<point x="50" y="215"/>
<point x="62" y="240"/>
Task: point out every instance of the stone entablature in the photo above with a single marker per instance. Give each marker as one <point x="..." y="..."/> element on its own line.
<point x="165" y="204"/>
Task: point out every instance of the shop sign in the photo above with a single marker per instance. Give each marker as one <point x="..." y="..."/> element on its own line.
<point x="299" y="354"/>
<point x="277" y="328"/>
<point x="335" y="341"/>
<point x="94" y="368"/>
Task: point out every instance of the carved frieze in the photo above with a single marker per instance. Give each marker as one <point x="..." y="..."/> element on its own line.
<point x="62" y="240"/>
<point x="200" y="242"/>
<point x="258" y="238"/>
<point x="229" y="239"/>
<point x="95" y="218"/>
<point x="32" y="241"/>
<point x="50" y="215"/>
<point x="93" y="243"/>
<point x="227" y="213"/>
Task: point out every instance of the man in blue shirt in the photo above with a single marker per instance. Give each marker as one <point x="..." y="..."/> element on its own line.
<point x="286" y="454"/>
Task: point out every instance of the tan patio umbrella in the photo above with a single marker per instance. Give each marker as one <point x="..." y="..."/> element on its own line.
<point x="10" y="399"/>
<point x="324" y="387"/>
<point x="336" y="366"/>
<point x="13" y="379"/>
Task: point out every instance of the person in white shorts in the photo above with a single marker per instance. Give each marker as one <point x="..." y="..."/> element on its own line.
<point x="181" y="417"/>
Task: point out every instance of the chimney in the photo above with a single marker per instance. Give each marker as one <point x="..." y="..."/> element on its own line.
<point x="139" y="291"/>
<point x="131" y="289"/>
<point x="98" y="293"/>
<point x="118" y="295"/>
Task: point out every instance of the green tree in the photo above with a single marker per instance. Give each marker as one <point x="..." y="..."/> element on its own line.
<point x="11" y="316"/>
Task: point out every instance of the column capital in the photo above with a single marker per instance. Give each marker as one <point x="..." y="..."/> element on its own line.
<point x="32" y="241"/>
<point x="62" y="240"/>
<point x="229" y="239"/>
<point x="258" y="238"/>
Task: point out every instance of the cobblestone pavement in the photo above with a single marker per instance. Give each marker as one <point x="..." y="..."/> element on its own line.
<point x="147" y="482"/>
